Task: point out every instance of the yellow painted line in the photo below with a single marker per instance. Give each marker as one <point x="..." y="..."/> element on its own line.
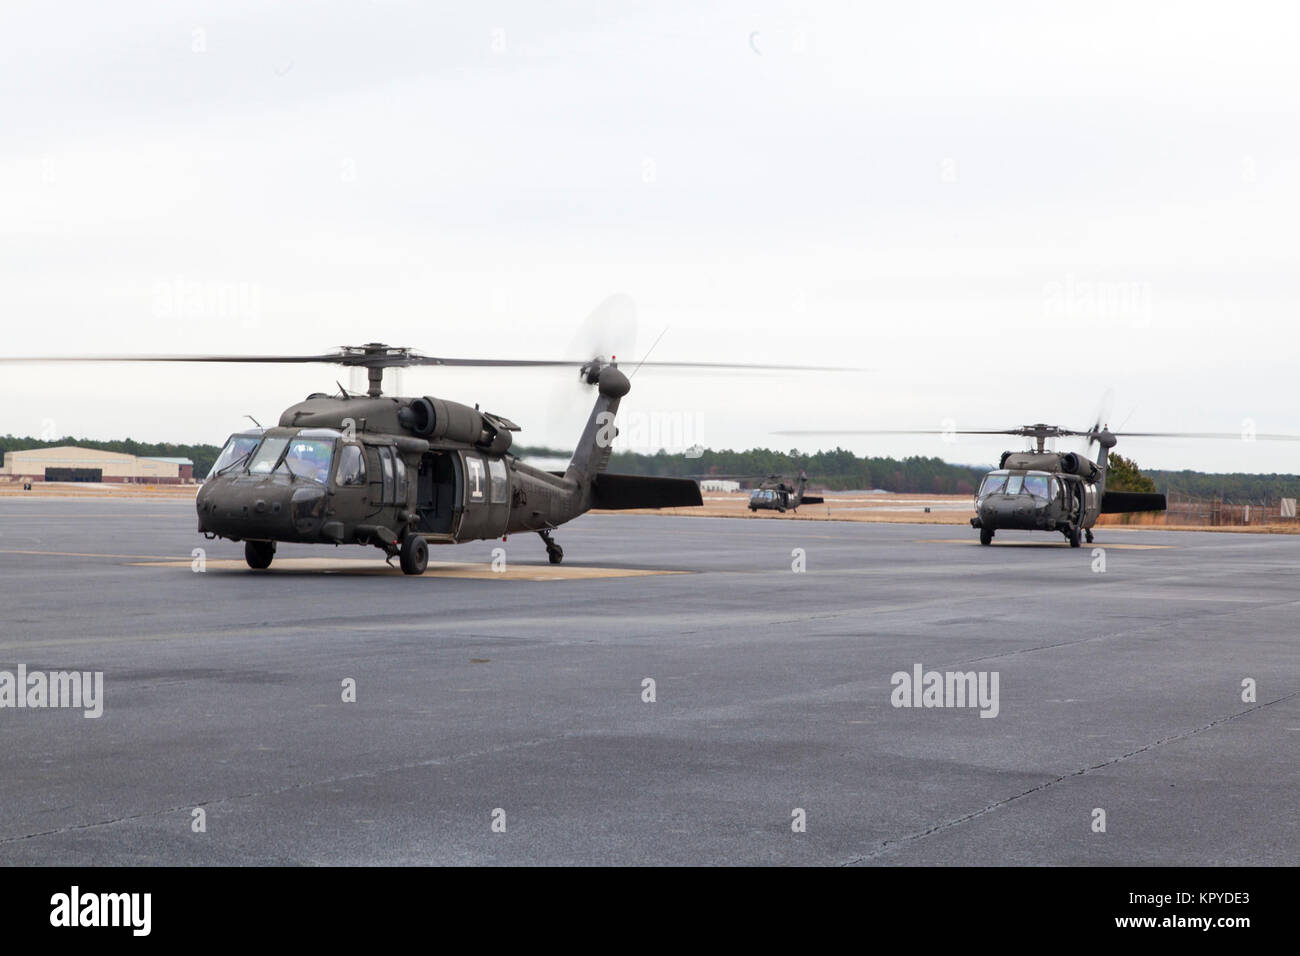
<point x="86" y="554"/>
<point x="436" y="569"/>
<point x="1049" y="544"/>
<point x="29" y="516"/>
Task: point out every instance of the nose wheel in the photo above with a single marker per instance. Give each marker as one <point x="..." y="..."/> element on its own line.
<point x="415" y="554"/>
<point x="986" y="535"/>
<point x="553" y="550"/>
<point x="258" y="554"/>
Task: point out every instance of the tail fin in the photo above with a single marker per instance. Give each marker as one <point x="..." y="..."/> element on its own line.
<point x="591" y="456"/>
<point x="1106" y="441"/>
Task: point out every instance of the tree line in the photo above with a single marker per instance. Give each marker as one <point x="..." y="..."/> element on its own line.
<point x="834" y="470"/>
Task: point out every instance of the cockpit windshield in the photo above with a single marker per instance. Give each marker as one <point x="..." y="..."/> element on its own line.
<point x="309" y="459"/>
<point x="267" y="456"/>
<point x="1038" y="484"/>
<point x="237" y="449"/>
<point x="994" y="482"/>
<point x="307" y="455"/>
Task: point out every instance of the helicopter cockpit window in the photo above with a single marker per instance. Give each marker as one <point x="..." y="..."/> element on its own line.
<point x="386" y="466"/>
<point x="994" y="483"/>
<point x="499" y="484"/>
<point x="1037" y="485"/>
<point x="237" y="449"/>
<point x="399" y="478"/>
<point x="309" y="459"/>
<point x="267" y="456"/>
<point x="352" y="466"/>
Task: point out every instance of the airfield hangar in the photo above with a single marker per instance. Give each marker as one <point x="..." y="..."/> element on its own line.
<point x="70" y="463"/>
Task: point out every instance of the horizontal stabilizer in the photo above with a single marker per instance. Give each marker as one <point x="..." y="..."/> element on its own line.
<point x="1121" y="502"/>
<point x="618" y="492"/>
<point x="812" y="500"/>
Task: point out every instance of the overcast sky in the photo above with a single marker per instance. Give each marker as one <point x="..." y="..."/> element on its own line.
<point x="1001" y="211"/>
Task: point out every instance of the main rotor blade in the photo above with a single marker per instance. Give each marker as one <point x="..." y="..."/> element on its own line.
<point x="398" y="360"/>
<point x="750" y="365"/>
<point x="287" y="359"/>
<point x="1029" y="432"/>
<point x="900" y="431"/>
<point x="1227" y="436"/>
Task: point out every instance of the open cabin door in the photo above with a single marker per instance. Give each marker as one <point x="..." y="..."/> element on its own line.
<point x="438" y="495"/>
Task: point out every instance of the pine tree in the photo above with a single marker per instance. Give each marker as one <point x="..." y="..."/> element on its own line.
<point x="1124" y="475"/>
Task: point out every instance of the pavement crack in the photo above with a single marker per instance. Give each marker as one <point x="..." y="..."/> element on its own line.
<point x="291" y="787"/>
<point x="888" y="846"/>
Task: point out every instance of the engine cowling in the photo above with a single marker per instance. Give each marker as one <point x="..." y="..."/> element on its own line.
<point x="438" y="419"/>
<point x="1074" y="464"/>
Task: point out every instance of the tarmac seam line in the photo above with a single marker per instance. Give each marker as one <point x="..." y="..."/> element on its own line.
<point x="888" y="846"/>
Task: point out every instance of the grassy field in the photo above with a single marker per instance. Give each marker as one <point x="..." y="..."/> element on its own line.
<point x="852" y="506"/>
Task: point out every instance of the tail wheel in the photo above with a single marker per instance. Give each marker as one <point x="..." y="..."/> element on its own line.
<point x="555" y="553"/>
<point x="258" y="554"/>
<point x="1088" y="535"/>
<point x="986" y="535"/>
<point x="415" y="554"/>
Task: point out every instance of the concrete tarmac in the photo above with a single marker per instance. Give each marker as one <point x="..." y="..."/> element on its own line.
<point x="517" y="698"/>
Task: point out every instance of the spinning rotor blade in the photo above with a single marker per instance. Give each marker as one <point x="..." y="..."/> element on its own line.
<point x="1228" y="436"/>
<point x="402" y="359"/>
<point x="900" y="431"/>
<point x="277" y="359"/>
<point x="1048" y="431"/>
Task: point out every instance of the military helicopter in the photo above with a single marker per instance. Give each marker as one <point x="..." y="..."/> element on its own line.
<point x="402" y="473"/>
<point x="775" y="493"/>
<point x="1045" y="490"/>
<point x="1042" y="490"/>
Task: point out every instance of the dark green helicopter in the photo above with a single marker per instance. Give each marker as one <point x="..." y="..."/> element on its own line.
<point x="775" y="493"/>
<point x="1045" y="490"/>
<point x="1041" y="489"/>
<point x="402" y="473"/>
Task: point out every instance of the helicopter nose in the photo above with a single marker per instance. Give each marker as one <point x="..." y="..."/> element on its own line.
<point x="233" y="510"/>
<point x="1006" y="511"/>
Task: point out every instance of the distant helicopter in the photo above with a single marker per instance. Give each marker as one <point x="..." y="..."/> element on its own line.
<point x="773" y="492"/>
<point x="778" y="494"/>
<point x="401" y="473"/>
<point x="1045" y="490"/>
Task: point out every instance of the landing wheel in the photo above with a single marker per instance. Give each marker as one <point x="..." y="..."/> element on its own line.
<point x="752" y="508"/>
<point x="258" y="554"/>
<point x="415" y="554"/>
<point x="986" y="535"/>
<point x="1074" y="537"/>
<point x="1088" y="535"/>
<point x="553" y="550"/>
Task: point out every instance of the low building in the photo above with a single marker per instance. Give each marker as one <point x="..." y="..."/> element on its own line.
<point x="71" y="463"/>
<point x="718" y="484"/>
